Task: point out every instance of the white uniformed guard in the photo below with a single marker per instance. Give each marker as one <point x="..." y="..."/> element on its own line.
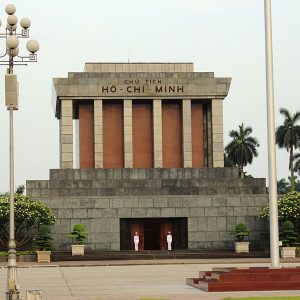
<point x="136" y="240"/>
<point x="169" y="240"/>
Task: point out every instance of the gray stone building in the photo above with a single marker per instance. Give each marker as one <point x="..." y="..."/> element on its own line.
<point x="141" y="150"/>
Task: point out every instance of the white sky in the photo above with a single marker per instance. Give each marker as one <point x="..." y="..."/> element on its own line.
<point x="221" y="36"/>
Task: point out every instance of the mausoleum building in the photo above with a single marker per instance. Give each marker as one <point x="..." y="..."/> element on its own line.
<point x="141" y="149"/>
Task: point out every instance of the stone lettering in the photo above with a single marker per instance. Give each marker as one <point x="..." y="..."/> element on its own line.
<point x="168" y="89"/>
<point x="107" y="89"/>
<point x="180" y="89"/>
<point x="158" y="89"/>
<point x="136" y="81"/>
<point x="104" y="89"/>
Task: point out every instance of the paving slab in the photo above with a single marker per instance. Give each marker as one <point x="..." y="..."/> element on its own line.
<point x="140" y="281"/>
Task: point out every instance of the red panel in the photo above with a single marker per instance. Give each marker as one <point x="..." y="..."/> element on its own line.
<point x="142" y="134"/>
<point x="197" y="135"/>
<point x="172" y="134"/>
<point x="138" y="226"/>
<point x="86" y="136"/>
<point x="113" y="141"/>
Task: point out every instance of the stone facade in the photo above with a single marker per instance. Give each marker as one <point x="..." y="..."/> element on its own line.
<point x="150" y="145"/>
<point x="128" y="83"/>
<point x="213" y="200"/>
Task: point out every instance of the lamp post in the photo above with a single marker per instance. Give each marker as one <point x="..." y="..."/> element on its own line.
<point x="11" y="58"/>
<point x="274" y="238"/>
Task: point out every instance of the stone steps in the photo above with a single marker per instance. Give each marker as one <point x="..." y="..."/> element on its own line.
<point x="251" y="279"/>
<point x="157" y="173"/>
<point x="154" y="254"/>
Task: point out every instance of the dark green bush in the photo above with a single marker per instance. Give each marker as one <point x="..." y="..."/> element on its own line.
<point x="44" y="239"/>
<point x="241" y="232"/>
<point x="288" y="235"/>
<point x="79" y="234"/>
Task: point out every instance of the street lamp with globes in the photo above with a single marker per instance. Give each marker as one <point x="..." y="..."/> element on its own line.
<point x="11" y="58"/>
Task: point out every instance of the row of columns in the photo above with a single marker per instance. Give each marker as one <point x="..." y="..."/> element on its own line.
<point x="66" y="133"/>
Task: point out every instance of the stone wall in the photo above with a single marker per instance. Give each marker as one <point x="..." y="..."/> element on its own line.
<point x="213" y="201"/>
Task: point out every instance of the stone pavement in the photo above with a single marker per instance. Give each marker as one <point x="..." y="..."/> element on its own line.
<point x="100" y="280"/>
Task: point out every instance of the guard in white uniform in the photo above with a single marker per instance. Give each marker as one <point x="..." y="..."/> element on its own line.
<point x="136" y="240"/>
<point x="169" y="240"/>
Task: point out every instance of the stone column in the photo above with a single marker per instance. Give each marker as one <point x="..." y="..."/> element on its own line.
<point x="66" y="134"/>
<point x="127" y="115"/>
<point x="98" y="133"/>
<point x="217" y="132"/>
<point x="157" y="133"/>
<point x="76" y="154"/>
<point x="187" y="132"/>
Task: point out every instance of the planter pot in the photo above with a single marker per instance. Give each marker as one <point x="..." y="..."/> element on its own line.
<point x="241" y="247"/>
<point x="43" y="256"/>
<point x="288" y="252"/>
<point x="28" y="257"/>
<point x="77" y="250"/>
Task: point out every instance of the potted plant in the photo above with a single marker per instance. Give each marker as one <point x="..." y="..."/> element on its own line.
<point x="241" y="233"/>
<point x="78" y="235"/>
<point x="289" y="239"/>
<point x="43" y="242"/>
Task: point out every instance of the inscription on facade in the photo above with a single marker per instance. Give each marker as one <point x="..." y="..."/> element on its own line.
<point x="137" y="86"/>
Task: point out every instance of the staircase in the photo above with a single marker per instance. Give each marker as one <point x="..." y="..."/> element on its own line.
<point x="248" y="279"/>
<point x="157" y="254"/>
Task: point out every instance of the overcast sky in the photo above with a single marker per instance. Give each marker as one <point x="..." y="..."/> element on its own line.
<point x="221" y="36"/>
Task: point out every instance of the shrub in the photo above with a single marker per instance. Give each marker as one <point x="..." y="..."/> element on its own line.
<point x="29" y="215"/>
<point x="288" y="235"/>
<point x="288" y="209"/>
<point x="79" y="234"/>
<point x="241" y="232"/>
<point x="44" y="239"/>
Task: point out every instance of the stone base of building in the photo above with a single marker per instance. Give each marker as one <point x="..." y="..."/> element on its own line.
<point x="201" y="207"/>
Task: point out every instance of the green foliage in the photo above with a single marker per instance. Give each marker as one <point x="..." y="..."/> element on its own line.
<point x="20" y="189"/>
<point x="288" y="137"/>
<point x="288" y="208"/>
<point x="284" y="187"/>
<point x="43" y="240"/>
<point x="29" y="215"/>
<point x="241" y="232"/>
<point x="27" y="252"/>
<point x="79" y="234"/>
<point x="296" y="160"/>
<point x="243" y="147"/>
<point x="288" y="235"/>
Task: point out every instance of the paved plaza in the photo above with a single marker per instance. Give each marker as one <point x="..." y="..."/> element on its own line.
<point x="126" y="280"/>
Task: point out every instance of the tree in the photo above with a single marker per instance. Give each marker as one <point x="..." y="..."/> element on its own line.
<point x="20" y="189"/>
<point x="283" y="186"/>
<point x="296" y="160"/>
<point x="243" y="147"/>
<point x="288" y="136"/>
<point x="29" y="215"/>
<point x="227" y="161"/>
<point x="288" y="209"/>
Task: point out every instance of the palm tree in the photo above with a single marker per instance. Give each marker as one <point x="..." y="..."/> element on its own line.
<point x="242" y="148"/>
<point x="283" y="186"/>
<point x="296" y="159"/>
<point x="288" y="136"/>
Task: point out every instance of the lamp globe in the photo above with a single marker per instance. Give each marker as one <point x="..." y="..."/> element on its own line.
<point x="10" y="9"/>
<point x="25" y="23"/>
<point x="12" y="20"/>
<point x="12" y="42"/>
<point x="32" y="46"/>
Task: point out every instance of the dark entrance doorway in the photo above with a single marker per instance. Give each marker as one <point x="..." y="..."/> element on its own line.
<point x="153" y="233"/>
